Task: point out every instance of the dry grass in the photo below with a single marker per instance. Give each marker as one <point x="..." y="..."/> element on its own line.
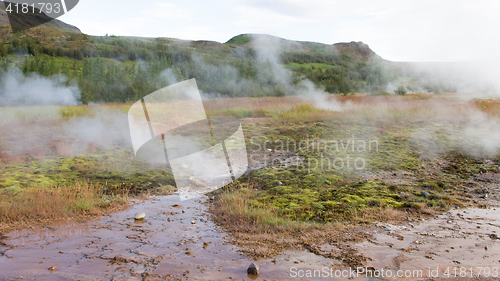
<point x="39" y="203"/>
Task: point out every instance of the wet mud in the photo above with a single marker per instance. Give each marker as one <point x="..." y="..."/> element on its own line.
<point x="178" y="241"/>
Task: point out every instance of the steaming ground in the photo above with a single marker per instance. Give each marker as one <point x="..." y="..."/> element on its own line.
<point x="18" y="90"/>
<point x="434" y="124"/>
<point x="43" y="131"/>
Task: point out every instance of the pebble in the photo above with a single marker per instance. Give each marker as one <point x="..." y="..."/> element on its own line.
<point x="183" y="211"/>
<point x="139" y="216"/>
<point x="52" y="268"/>
<point x="493" y="236"/>
<point x="253" y="269"/>
<point x="193" y="222"/>
<point x="212" y="197"/>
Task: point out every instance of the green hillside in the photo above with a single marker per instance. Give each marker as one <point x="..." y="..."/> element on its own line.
<point x="113" y="68"/>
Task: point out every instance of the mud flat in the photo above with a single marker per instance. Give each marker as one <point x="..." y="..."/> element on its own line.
<point x="177" y="240"/>
<point x="461" y="239"/>
<point x="166" y="245"/>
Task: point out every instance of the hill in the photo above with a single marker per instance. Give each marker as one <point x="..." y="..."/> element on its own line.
<point x="51" y="28"/>
<point x="115" y="68"/>
<point x="359" y="49"/>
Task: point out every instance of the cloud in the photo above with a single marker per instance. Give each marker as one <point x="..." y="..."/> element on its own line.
<point x="169" y="11"/>
<point x="255" y="17"/>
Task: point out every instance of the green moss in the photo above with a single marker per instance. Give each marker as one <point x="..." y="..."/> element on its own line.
<point x="111" y="169"/>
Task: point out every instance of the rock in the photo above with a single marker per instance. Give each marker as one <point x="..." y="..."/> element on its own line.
<point x="493" y="236"/>
<point x="279" y="183"/>
<point x="253" y="269"/>
<point x="52" y="268"/>
<point x="183" y="211"/>
<point x="139" y="216"/>
<point x="485" y="196"/>
<point x="485" y="190"/>
<point x="424" y="194"/>
<point x="212" y="197"/>
<point x="193" y="222"/>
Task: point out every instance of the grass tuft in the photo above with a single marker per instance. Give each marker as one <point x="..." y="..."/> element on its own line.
<point x="56" y="202"/>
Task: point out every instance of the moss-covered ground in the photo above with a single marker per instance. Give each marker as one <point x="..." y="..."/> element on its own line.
<point x="400" y="154"/>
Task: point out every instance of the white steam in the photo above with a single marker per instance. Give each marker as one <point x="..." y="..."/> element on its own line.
<point x="270" y="68"/>
<point x="42" y="131"/>
<point x="17" y="90"/>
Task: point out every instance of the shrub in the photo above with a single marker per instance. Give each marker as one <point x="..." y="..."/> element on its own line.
<point x="401" y="90"/>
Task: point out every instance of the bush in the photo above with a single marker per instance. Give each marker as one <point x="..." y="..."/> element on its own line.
<point x="401" y="90"/>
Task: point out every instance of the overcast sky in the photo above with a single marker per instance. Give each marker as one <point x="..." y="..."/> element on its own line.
<point x="398" y="30"/>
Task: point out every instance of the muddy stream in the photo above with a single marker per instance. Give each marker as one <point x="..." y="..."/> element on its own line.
<point x="177" y="240"/>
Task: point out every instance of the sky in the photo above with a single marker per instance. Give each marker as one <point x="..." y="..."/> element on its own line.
<point x="397" y="30"/>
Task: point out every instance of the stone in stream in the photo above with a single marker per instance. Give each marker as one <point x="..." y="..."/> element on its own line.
<point x="253" y="269"/>
<point x="139" y="216"/>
